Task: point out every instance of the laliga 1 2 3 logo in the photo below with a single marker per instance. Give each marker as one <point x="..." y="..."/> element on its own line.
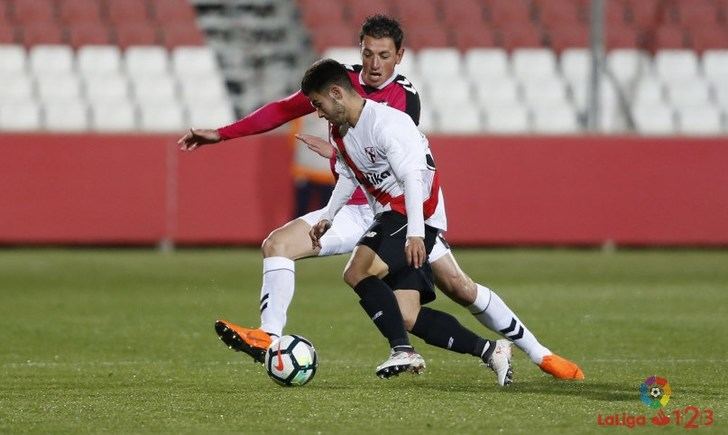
<point x="655" y="392"/>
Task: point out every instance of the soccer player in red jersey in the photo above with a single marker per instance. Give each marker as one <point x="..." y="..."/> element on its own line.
<point x="381" y="48"/>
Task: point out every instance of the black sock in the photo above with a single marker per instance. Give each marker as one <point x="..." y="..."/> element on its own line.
<point x="379" y="302"/>
<point x="443" y="330"/>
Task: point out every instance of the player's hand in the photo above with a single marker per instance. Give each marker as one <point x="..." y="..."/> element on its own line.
<point x="414" y="251"/>
<point x="197" y="137"/>
<point x="317" y="231"/>
<point x="316" y="144"/>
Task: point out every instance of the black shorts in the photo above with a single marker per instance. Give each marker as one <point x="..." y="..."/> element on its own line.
<point x="387" y="237"/>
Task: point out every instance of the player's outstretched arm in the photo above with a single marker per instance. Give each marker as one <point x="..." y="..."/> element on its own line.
<point x="198" y="137"/>
<point x="318" y="145"/>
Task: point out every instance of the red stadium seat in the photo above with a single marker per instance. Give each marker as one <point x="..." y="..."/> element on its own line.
<point x="127" y="11"/>
<point x="424" y="37"/>
<point x="472" y="37"/>
<point x="463" y="13"/>
<point x="508" y="12"/>
<point x="416" y="13"/>
<point x="623" y="36"/>
<point x="667" y="37"/>
<point x="568" y="36"/>
<point x="644" y="13"/>
<point x="8" y="34"/>
<point x="696" y="15"/>
<point x="75" y="12"/>
<point x="614" y="13"/>
<point x="142" y="33"/>
<point x="89" y="34"/>
<point x="552" y="13"/>
<point x="335" y="35"/>
<point x="319" y="13"/>
<point x="174" y="11"/>
<point x="34" y="12"/>
<point x="358" y="11"/>
<point x="517" y="37"/>
<point x="182" y="34"/>
<point x="713" y="37"/>
<point x="42" y="33"/>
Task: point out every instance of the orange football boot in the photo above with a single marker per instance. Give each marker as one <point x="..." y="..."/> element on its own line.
<point x="254" y="342"/>
<point x="561" y="368"/>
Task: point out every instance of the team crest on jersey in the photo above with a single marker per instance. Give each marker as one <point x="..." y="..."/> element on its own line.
<point x="370" y="153"/>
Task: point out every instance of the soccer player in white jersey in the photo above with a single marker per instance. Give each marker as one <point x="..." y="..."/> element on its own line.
<point x="381" y="41"/>
<point x="381" y="149"/>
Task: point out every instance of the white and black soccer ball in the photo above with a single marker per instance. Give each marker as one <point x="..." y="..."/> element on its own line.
<point x="291" y="361"/>
<point x="655" y="392"/>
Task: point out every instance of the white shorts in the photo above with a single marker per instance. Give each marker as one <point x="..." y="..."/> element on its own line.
<point x="350" y="223"/>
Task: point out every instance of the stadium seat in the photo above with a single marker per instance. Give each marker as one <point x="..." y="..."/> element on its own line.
<point x="345" y="55"/>
<point x="416" y="13"/>
<point x="443" y="64"/>
<point x="676" y="64"/>
<point x="688" y="92"/>
<point x="621" y="37"/>
<point x="575" y="63"/>
<point x="643" y="13"/>
<point x="202" y="90"/>
<point x="15" y="88"/>
<point x="721" y="94"/>
<point x="42" y="34"/>
<point x="427" y="119"/>
<point x="668" y="37"/>
<point x="161" y="118"/>
<point x="194" y="61"/>
<point x="113" y="117"/>
<point x="9" y="34"/>
<point x="106" y="88"/>
<point x="695" y="14"/>
<point x="544" y="92"/>
<point x="528" y="36"/>
<point x="146" y="60"/>
<point x="37" y="12"/>
<point x="508" y="13"/>
<point x="428" y="37"/>
<point x="150" y="89"/>
<point x="79" y="12"/>
<point x="174" y="12"/>
<point x="408" y="66"/>
<point x="507" y="119"/>
<point x="497" y="91"/>
<point x="699" y="120"/>
<point x="127" y="11"/>
<point x="13" y="59"/>
<point x="648" y="92"/>
<point x="98" y="60"/>
<point x="20" y="116"/>
<point x="559" y="119"/>
<point x="136" y="33"/>
<point x="580" y="89"/>
<point x="614" y="13"/>
<point x="202" y="116"/>
<point x="320" y="13"/>
<point x="179" y="35"/>
<point x="451" y="92"/>
<point x="333" y="35"/>
<point x="627" y="65"/>
<point x="67" y="116"/>
<point x="466" y="14"/>
<point x="654" y="119"/>
<point x="462" y="118"/>
<point x="59" y="87"/>
<point x="465" y="38"/>
<point x="89" y="34"/>
<point x="51" y="59"/>
<point x="358" y="10"/>
<point x="715" y="65"/>
<point x="568" y="36"/>
<point x="556" y="13"/>
<point x="533" y="62"/>
<point x="709" y="37"/>
<point x="486" y="62"/>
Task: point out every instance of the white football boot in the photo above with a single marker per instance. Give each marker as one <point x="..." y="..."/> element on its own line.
<point x="401" y="361"/>
<point x="500" y="362"/>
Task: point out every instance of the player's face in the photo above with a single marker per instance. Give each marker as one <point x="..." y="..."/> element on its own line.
<point x="379" y="56"/>
<point x="328" y="106"/>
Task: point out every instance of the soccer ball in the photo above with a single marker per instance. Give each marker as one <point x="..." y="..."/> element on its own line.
<point x="655" y="392"/>
<point x="291" y="361"/>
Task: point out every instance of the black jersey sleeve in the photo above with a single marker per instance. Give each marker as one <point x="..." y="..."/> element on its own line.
<point x="412" y="99"/>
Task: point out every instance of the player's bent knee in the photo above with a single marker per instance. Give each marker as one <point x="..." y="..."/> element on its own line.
<point x="274" y="246"/>
<point x="352" y="276"/>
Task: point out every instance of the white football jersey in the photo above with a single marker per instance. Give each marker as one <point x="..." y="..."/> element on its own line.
<point x="379" y="151"/>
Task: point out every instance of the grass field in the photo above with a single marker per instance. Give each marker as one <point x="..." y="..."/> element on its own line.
<point x="122" y="341"/>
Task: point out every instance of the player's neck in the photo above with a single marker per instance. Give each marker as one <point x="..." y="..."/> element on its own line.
<point x="357" y="106"/>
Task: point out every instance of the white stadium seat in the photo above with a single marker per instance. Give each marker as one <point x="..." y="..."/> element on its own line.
<point x="688" y="92"/>
<point x="497" y="91"/>
<point x="715" y="65"/>
<point x="627" y="65"/>
<point x="721" y="94"/>
<point x="110" y="87"/>
<point x="544" y="91"/>
<point x="146" y="60"/>
<point x="560" y="119"/>
<point x="15" y="88"/>
<point x="20" y="116"/>
<point x="58" y="87"/>
<point x="51" y="59"/>
<point x="654" y="119"/>
<point x="162" y="118"/>
<point x="408" y="66"/>
<point x="202" y="116"/>
<point x="98" y="59"/>
<point x="345" y="55"/>
<point x="443" y="64"/>
<point x="507" y="119"/>
<point x="427" y="119"/>
<point x="676" y="64"/>
<point x="65" y="116"/>
<point x="113" y="117"/>
<point x="533" y="62"/>
<point x="576" y="64"/>
<point x="483" y="63"/>
<point x="13" y="59"/>
<point x="649" y="91"/>
<point x="203" y="89"/>
<point x="194" y="61"/>
<point x="447" y="92"/>
<point x="700" y="120"/>
<point x="580" y="92"/>
<point x="459" y="118"/>
<point x="150" y="89"/>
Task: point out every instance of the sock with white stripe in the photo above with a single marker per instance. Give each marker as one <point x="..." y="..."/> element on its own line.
<point x="443" y="330"/>
<point x="491" y="311"/>
<point x="276" y="293"/>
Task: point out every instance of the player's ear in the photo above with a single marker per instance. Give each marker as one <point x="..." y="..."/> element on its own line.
<point x="336" y="92"/>
<point x="398" y="56"/>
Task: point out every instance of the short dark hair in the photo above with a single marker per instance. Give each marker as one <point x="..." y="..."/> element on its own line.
<point x="381" y="26"/>
<point x="324" y="73"/>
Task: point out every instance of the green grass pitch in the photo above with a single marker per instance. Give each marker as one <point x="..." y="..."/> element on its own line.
<point x="123" y="341"/>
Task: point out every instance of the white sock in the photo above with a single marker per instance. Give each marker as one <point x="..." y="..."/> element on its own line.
<point x="276" y="293"/>
<point x="491" y="311"/>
